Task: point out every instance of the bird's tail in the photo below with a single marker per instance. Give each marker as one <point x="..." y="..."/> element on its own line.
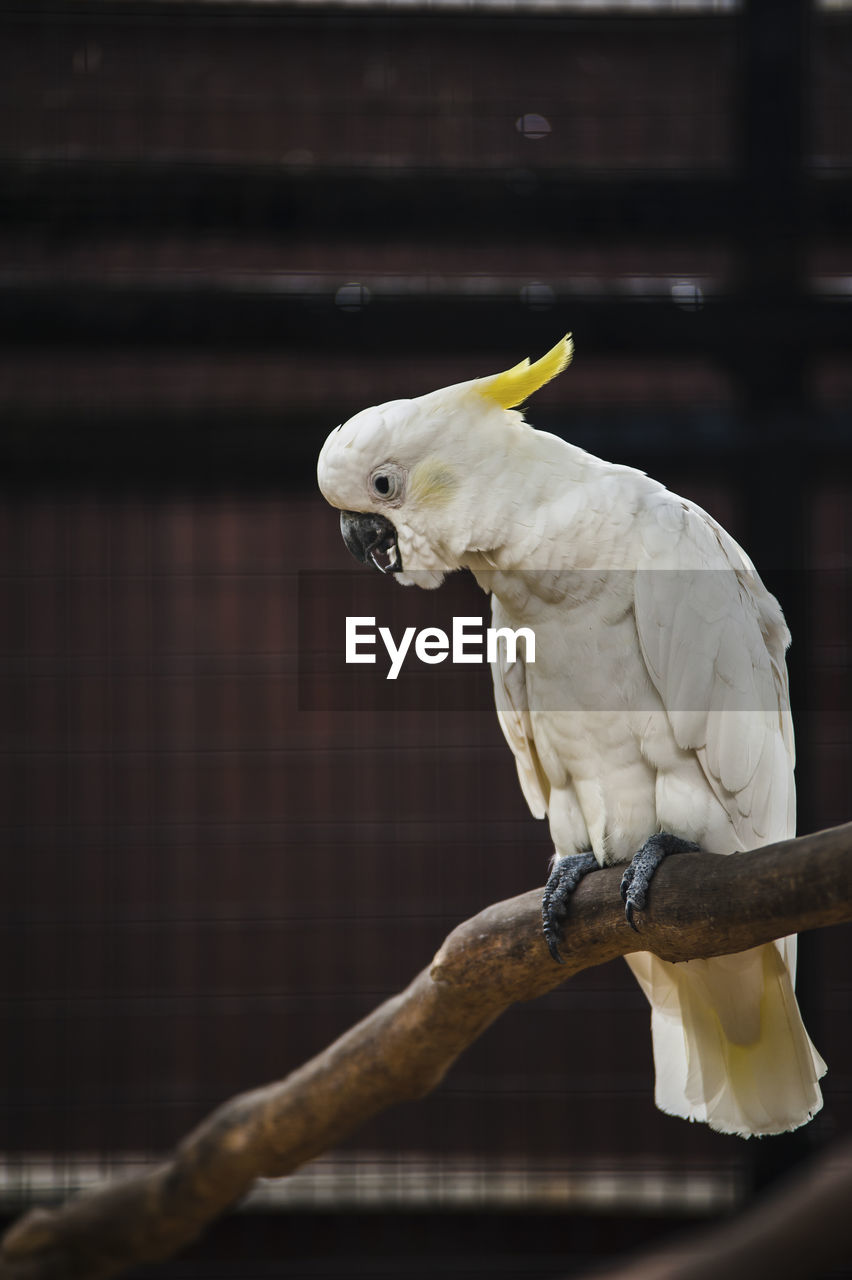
<point x="730" y="1047"/>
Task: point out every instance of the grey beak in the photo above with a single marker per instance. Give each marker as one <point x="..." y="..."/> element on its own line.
<point x="371" y="539"/>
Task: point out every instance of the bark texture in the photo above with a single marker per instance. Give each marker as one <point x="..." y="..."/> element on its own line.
<point x="701" y="905"/>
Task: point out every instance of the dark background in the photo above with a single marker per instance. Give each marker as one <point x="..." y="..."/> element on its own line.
<point x="223" y="229"/>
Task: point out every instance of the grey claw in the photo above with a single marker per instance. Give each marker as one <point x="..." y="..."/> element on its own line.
<point x="639" y="874"/>
<point x="553" y="948"/>
<point x="563" y="880"/>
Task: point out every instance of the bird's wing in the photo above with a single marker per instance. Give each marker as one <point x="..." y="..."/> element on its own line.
<point x="713" y="640"/>
<point x="513" y="713"/>
<point x="729" y="1043"/>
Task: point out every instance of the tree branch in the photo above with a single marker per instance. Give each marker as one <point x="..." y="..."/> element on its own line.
<point x="702" y="905"/>
<point x="799" y="1228"/>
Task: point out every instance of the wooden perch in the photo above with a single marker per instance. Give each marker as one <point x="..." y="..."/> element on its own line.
<point x="701" y="905"/>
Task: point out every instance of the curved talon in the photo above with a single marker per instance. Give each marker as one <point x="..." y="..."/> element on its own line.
<point x="553" y="946"/>
<point x="563" y="880"/>
<point x="551" y="935"/>
<point x="640" y="872"/>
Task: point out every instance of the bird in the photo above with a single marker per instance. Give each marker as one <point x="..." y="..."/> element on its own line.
<point x="655" y="715"/>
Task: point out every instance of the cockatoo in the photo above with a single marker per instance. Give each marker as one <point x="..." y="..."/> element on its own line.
<point x="655" y="716"/>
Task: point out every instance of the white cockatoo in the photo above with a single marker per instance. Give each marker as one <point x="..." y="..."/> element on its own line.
<point x="655" y="716"/>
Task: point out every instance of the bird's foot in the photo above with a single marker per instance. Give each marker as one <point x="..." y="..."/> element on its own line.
<point x="563" y="880"/>
<point x="640" y="873"/>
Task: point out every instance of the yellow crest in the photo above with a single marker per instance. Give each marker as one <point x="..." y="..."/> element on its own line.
<point x="515" y="385"/>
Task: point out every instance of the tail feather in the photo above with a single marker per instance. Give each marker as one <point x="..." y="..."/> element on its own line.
<point x="730" y="1047"/>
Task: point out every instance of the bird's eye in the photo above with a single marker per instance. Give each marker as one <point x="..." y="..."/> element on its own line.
<point x="387" y="482"/>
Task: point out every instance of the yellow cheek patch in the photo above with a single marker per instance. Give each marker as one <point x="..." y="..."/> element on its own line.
<point x="432" y="481"/>
<point x="516" y="385"/>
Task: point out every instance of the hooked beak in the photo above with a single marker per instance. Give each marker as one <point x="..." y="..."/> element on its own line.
<point x="371" y="539"/>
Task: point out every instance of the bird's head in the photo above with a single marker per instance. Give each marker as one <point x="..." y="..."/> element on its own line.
<point x="422" y="483"/>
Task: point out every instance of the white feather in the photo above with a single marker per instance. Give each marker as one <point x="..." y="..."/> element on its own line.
<point x="658" y="699"/>
<point x="729" y="1044"/>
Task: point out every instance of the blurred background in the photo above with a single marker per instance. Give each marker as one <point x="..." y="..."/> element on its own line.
<point x="224" y="228"/>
